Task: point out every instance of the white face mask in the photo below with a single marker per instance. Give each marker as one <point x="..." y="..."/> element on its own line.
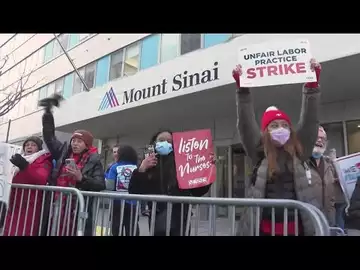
<point x="280" y="135"/>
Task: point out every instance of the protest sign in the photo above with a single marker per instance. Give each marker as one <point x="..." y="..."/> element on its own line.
<point x="276" y="63"/>
<point x="348" y="169"/>
<point x="6" y="169"/>
<point x="194" y="158"/>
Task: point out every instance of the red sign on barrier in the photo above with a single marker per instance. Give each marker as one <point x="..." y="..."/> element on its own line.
<point x="194" y="156"/>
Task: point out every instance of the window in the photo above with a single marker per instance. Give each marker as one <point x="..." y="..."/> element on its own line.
<point x="353" y="136"/>
<point x="48" y="53"/>
<point x="169" y="47"/>
<point x="68" y="85"/>
<point x="73" y="40"/>
<point x="190" y="42"/>
<point x="51" y="89"/>
<point x="102" y="71"/>
<point x="59" y="86"/>
<point x="131" y="63"/>
<point x="335" y="137"/>
<point x="32" y="102"/>
<point x="78" y="86"/>
<point x="40" y="56"/>
<point x="83" y="36"/>
<point x="150" y="51"/>
<point x="89" y="79"/>
<point x="214" y="39"/>
<point x="116" y="64"/>
<point x="64" y="40"/>
<point x="43" y="92"/>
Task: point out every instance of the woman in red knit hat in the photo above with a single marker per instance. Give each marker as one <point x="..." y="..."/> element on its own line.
<point x="278" y="153"/>
<point x="78" y="165"/>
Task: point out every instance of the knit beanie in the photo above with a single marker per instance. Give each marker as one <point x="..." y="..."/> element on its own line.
<point x="34" y="139"/>
<point x="272" y="113"/>
<point x="84" y="135"/>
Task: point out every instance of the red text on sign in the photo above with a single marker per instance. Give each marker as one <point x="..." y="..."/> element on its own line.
<point x="276" y="70"/>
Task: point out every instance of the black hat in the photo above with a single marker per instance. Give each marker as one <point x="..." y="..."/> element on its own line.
<point x="34" y="139"/>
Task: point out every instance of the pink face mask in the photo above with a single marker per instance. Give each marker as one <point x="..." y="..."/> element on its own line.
<point x="280" y="135"/>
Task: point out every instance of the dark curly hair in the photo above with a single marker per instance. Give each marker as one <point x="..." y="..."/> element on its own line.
<point x="153" y="138"/>
<point x="128" y="154"/>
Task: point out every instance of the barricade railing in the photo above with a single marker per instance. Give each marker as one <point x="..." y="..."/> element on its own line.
<point x="113" y="213"/>
<point x="35" y="210"/>
<point x="337" y="231"/>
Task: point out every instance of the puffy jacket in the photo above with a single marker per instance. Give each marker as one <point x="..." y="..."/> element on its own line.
<point x="250" y="136"/>
<point x="93" y="171"/>
<point x="24" y="213"/>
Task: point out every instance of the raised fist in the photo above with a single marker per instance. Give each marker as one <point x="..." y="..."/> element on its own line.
<point x="314" y="66"/>
<point x="237" y="72"/>
<point x="51" y="101"/>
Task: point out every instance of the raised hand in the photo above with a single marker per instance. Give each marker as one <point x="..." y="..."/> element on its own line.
<point x="314" y="66"/>
<point x="236" y="73"/>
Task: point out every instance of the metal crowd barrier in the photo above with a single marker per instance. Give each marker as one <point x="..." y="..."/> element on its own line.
<point x="58" y="211"/>
<point x="43" y="211"/>
<point x="113" y="215"/>
<point x="337" y="231"/>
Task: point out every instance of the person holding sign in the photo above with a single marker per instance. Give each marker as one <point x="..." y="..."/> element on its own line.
<point x="157" y="175"/>
<point x="278" y="153"/>
<point x="32" y="168"/>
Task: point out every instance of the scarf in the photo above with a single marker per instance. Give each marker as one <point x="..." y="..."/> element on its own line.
<point x="30" y="159"/>
<point x="66" y="180"/>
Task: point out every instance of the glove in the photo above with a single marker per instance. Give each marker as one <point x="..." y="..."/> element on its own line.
<point x="19" y="161"/>
<point x="317" y="67"/>
<point x="236" y="75"/>
<point x="49" y="102"/>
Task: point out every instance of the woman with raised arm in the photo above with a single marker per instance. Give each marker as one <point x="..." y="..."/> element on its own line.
<point x="278" y="153"/>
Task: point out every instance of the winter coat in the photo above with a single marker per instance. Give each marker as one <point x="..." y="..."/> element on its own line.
<point x="306" y="133"/>
<point x="162" y="180"/>
<point x="326" y="179"/>
<point x="24" y="213"/>
<point x="93" y="171"/>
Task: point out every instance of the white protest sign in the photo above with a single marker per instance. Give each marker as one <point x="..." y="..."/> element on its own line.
<point x="348" y="169"/>
<point x="6" y="169"/>
<point x="276" y="63"/>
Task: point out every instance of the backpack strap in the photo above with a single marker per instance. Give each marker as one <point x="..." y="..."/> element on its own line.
<point x="261" y="156"/>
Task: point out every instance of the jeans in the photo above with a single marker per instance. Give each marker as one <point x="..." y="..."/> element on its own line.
<point x="340" y="212"/>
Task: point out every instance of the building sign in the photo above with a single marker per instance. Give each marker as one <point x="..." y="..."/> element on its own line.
<point x="109" y="100"/>
<point x="178" y="82"/>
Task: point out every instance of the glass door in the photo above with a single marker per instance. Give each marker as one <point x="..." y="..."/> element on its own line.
<point x="221" y="187"/>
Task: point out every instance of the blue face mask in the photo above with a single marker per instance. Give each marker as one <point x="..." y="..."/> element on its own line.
<point x="316" y="155"/>
<point x="163" y="148"/>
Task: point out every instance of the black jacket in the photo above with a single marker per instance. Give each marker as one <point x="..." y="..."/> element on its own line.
<point x="161" y="180"/>
<point x="93" y="172"/>
<point x="352" y="219"/>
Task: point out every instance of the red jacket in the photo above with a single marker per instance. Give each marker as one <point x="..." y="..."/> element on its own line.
<point x="24" y="205"/>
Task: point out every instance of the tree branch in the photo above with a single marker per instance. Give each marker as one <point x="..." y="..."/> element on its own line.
<point x="12" y="94"/>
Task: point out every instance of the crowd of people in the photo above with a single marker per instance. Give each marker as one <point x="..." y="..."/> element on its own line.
<point x="288" y="163"/>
